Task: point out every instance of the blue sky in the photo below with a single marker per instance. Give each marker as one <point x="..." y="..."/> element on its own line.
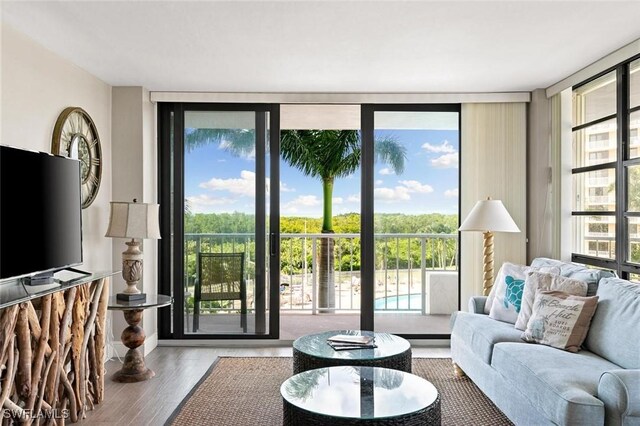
<point x="216" y="181"/>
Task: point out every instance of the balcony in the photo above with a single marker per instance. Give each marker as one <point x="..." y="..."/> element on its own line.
<point x="416" y="282"/>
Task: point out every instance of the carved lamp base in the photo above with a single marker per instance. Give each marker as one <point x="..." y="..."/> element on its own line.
<point x="132" y="272"/>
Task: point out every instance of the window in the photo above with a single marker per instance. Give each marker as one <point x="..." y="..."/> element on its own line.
<point x="606" y="170"/>
<point x="598" y="228"/>
<point x="598" y="157"/>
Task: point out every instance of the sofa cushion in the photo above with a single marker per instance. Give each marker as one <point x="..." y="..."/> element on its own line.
<point x="561" y="384"/>
<point x="615" y="332"/>
<point x="576" y="271"/>
<point x="480" y="333"/>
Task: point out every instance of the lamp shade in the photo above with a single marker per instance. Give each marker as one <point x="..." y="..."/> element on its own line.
<point x="489" y="215"/>
<point x="133" y="220"/>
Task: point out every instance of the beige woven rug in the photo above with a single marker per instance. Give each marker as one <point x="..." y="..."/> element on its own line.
<point x="246" y="391"/>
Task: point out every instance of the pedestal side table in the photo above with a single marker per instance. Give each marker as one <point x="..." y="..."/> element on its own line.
<point x="134" y="368"/>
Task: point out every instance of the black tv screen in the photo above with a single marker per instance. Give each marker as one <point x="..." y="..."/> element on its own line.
<point x="40" y="213"/>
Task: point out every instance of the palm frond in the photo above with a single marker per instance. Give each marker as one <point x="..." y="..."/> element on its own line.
<point x="239" y="142"/>
<point x="390" y="151"/>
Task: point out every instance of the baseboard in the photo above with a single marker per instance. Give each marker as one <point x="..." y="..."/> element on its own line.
<point x="272" y="343"/>
<point x="150" y="343"/>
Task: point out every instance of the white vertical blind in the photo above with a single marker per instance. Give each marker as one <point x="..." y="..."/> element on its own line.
<point x="493" y="163"/>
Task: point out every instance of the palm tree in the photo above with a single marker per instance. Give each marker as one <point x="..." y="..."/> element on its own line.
<point x="322" y="154"/>
<point x="327" y="155"/>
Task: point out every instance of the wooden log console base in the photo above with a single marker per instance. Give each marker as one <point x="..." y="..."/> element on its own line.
<point x="52" y="346"/>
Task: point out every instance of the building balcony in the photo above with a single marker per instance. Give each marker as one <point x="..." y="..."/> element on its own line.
<point x="416" y="283"/>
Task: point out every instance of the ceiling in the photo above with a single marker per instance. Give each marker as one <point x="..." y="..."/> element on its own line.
<point x="329" y="46"/>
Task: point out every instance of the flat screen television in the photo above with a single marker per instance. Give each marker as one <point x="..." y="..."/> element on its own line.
<point x="40" y="214"/>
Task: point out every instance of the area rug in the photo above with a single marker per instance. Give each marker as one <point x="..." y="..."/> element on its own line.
<point x="246" y="391"/>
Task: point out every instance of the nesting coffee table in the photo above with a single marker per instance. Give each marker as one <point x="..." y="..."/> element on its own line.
<point x="359" y="395"/>
<point x="312" y="351"/>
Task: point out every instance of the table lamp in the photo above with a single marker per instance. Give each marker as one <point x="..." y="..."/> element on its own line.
<point x="133" y="220"/>
<point x="488" y="216"/>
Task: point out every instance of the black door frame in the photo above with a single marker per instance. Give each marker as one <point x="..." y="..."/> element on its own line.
<point x="171" y="178"/>
<point x="367" y="261"/>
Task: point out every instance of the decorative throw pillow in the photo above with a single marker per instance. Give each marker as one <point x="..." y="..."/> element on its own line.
<point x="560" y="320"/>
<point x="507" y="292"/>
<point x="539" y="281"/>
<point x="517" y="272"/>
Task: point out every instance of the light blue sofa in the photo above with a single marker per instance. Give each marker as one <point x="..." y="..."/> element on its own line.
<point x="540" y="385"/>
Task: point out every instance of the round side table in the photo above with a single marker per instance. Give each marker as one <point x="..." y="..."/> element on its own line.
<point x="134" y="369"/>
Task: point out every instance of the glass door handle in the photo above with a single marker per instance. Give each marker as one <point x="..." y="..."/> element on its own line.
<point x="272" y="244"/>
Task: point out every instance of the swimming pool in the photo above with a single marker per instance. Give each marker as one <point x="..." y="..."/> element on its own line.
<point x="400" y="302"/>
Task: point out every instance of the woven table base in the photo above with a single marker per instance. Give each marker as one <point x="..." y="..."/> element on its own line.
<point x="303" y="361"/>
<point x="294" y="416"/>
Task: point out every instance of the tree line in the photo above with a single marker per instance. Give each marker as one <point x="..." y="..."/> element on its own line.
<point x="296" y="253"/>
<point x="349" y="223"/>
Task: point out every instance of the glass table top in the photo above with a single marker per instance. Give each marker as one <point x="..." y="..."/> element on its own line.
<point x="317" y="346"/>
<point x="152" y="301"/>
<point x="359" y="392"/>
<point x="16" y="291"/>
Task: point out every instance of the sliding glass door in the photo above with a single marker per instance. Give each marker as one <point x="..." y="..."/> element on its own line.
<point x="220" y="186"/>
<point x="410" y="193"/>
<point x="224" y="233"/>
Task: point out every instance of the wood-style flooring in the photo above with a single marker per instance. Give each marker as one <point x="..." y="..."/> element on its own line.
<point x="177" y="370"/>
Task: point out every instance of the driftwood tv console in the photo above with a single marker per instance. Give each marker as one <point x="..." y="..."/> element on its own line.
<point x="52" y="349"/>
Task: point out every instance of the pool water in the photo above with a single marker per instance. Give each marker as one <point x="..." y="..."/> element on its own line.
<point x="399" y="302"/>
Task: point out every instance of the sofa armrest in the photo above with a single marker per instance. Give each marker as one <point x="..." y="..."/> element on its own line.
<point x="619" y="390"/>
<point x="476" y="304"/>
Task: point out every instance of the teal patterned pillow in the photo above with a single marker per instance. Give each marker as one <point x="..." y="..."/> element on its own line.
<point x="507" y="292"/>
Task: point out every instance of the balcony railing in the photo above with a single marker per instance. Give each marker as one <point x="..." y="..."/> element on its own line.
<point x="403" y="262"/>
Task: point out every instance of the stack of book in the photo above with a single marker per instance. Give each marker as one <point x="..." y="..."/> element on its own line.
<point x="343" y="342"/>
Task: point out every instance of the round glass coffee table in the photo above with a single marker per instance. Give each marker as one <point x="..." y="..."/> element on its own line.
<point x="312" y="351"/>
<point x="359" y="395"/>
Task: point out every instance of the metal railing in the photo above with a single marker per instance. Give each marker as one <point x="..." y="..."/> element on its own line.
<point x="402" y="264"/>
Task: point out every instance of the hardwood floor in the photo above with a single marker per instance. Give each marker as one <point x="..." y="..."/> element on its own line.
<point x="177" y="370"/>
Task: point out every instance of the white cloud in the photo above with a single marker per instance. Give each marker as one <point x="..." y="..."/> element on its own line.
<point x="386" y="171"/>
<point x="446" y="161"/>
<point x="451" y="193"/>
<point x="353" y="198"/>
<point x="302" y="203"/>
<point x="204" y="203"/>
<point x="245" y="185"/>
<point x="402" y="192"/>
<point x="415" y="186"/>
<point x="399" y="193"/>
<point x="379" y="182"/>
<point x="444" y="148"/>
<point x="285" y="188"/>
<point x="337" y="200"/>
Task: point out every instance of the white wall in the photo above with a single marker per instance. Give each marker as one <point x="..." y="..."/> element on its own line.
<point x="134" y="176"/>
<point x="36" y="86"/>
